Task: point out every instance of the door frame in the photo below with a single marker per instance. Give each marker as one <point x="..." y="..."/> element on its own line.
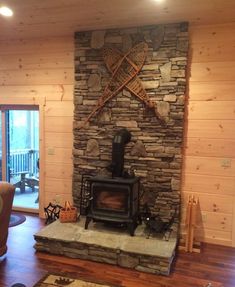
<point x="12" y="102"/>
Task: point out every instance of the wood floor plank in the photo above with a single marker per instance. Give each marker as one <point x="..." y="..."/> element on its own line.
<point x="215" y="265"/>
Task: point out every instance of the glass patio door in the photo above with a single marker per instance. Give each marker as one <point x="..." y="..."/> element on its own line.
<point x="19" y="163"/>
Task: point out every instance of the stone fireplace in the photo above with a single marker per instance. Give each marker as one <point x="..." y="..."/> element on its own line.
<point x="154" y="152"/>
<point x="153" y="155"/>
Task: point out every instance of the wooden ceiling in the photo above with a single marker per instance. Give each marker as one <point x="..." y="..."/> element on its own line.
<point x="43" y="18"/>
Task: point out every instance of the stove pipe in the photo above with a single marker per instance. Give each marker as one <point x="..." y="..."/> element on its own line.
<point x="121" y="138"/>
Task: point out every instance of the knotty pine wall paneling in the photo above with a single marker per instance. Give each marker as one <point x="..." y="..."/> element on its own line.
<point x="44" y="68"/>
<point x="209" y="157"/>
<point x="39" y="68"/>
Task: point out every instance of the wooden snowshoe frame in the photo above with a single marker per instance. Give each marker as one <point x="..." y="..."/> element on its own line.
<point x="124" y="69"/>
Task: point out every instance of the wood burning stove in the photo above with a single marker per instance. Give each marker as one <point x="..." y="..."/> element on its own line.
<point x="114" y="200"/>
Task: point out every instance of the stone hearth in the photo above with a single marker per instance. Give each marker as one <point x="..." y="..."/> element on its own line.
<point x="109" y="245"/>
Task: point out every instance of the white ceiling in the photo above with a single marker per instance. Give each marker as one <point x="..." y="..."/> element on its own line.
<point x="42" y="18"/>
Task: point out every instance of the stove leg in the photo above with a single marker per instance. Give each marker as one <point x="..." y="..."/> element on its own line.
<point x="131" y="228"/>
<point x="139" y="219"/>
<point x="88" y="220"/>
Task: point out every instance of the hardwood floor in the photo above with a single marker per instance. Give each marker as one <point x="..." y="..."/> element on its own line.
<point x="215" y="265"/>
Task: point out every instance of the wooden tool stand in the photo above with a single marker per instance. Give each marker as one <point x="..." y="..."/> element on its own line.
<point x="190" y="225"/>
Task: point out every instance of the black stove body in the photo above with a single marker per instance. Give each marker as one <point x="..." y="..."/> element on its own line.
<point x="114" y="200"/>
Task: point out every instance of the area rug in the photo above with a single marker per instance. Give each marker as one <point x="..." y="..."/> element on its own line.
<point x="16" y="219"/>
<point x="59" y="281"/>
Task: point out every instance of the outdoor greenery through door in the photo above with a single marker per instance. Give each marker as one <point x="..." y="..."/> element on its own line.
<point x="19" y="153"/>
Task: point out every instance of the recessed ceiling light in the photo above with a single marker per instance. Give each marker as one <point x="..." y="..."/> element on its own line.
<point x="5" y="11"/>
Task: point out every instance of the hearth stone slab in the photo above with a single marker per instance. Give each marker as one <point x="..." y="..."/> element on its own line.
<point x="109" y="245"/>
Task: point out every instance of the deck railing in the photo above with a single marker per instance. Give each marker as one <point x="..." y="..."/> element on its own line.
<point x="23" y="160"/>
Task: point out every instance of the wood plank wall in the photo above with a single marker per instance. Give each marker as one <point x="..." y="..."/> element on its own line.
<point x="209" y="162"/>
<point x="44" y="68"/>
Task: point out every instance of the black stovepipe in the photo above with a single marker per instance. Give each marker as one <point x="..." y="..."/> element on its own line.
<point x="121" y="138"/>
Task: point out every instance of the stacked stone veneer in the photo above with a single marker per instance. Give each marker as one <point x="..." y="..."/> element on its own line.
<point x="154" y="151"/>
